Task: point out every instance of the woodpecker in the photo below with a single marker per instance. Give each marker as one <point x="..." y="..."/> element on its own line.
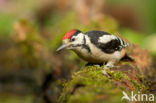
<point x="95" y="47"/>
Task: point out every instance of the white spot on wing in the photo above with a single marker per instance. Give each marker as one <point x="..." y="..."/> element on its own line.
<point x="106" y="38"/>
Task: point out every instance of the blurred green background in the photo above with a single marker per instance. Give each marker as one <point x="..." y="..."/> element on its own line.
<point x="30" y="31"/>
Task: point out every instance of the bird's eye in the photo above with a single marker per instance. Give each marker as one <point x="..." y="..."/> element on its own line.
<point x="73" y="39"/>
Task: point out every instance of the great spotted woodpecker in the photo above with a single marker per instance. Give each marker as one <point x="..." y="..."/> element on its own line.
<point x="97" y="47"/>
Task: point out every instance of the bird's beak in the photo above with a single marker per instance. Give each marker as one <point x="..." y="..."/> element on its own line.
<point x="63" y="46"/>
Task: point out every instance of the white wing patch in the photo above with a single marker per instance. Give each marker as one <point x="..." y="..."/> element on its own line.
<point x="106" y="38"/>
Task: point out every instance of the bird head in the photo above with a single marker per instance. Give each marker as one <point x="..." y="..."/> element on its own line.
<point x="72" y="40"/>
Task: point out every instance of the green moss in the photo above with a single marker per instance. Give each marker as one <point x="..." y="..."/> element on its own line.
<point x="97" y="87"/>
<point x="117" y="75"/>
<point x="95" y="84"/>
<point x="138" y="86"/>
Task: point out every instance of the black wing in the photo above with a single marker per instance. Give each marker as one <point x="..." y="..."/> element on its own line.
<point x="113" y="45"/>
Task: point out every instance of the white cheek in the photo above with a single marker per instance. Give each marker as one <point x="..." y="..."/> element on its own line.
<point x="79" y="39"/>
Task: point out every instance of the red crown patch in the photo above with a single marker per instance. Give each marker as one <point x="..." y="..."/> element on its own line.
<point x="69" y="34"/>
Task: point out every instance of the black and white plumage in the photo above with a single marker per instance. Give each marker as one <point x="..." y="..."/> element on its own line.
<point x="95" y="46"/>
<point x="108" y="43"/>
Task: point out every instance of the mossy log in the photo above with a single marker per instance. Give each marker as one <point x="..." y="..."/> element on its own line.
<point x="90" y="85"/>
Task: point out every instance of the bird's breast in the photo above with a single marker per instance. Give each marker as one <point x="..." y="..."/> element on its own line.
<point x="92" y="56"/>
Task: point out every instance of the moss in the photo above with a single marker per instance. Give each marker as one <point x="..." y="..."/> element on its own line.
<point x="90" y="77"/>
<point x="138" y="86"/>
<point x="94" y="81"/>
<point x="117" y="75"/>
<point x="97" y="87"/>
